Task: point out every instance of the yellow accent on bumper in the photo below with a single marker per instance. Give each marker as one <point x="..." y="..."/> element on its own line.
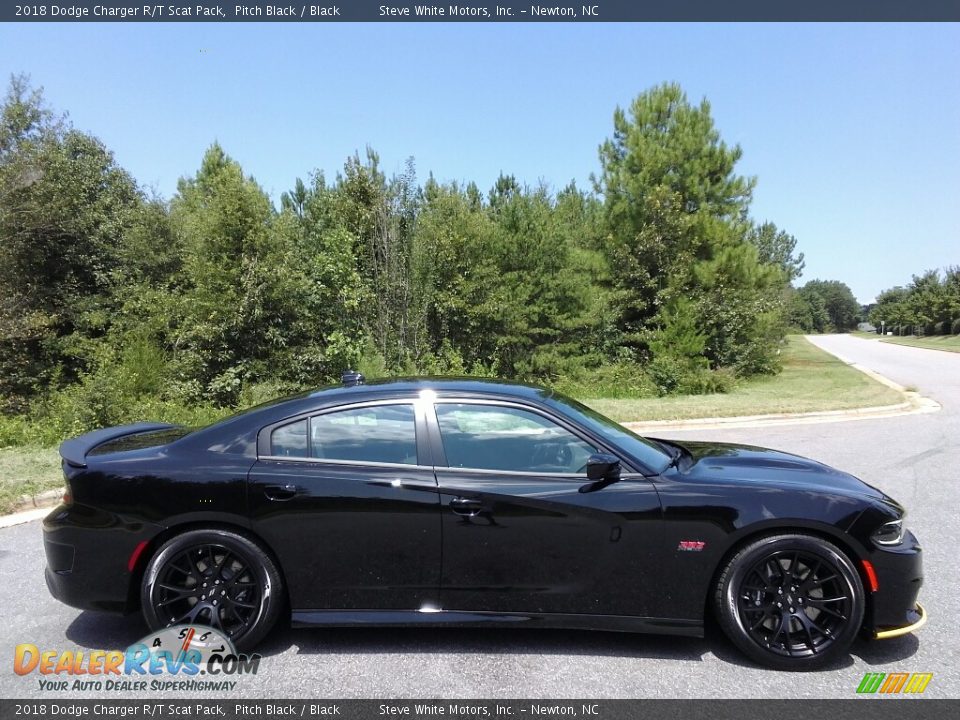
<point x="897" y="632"/>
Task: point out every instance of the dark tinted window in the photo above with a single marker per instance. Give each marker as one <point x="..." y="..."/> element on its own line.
<point x="494" y="437"/>
<point x="651" y="455"/>
<point x="383" y="434"/>
<point x="290" y="440"/>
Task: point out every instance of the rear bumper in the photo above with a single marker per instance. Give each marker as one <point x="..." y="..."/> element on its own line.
<point x="87" y="553"/>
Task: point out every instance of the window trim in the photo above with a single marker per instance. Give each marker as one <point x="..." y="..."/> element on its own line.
<point x="441" y="464"/>
<point x="265" y="448"/>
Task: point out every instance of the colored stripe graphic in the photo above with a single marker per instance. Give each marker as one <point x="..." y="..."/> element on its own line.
<point x="918" y="682"/>
<point x="914" y="683"/>
<point x="871" y="682"/>
<point x="894" y="682"/>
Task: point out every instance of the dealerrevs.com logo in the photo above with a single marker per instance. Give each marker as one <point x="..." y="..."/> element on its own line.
<point x="183" y="657"/>
<point x="894" y="683"/>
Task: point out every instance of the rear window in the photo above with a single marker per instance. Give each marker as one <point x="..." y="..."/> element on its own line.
<point x="139" y="441"/>
<point x="377" y="434"/>
<point x="290" y="440"/>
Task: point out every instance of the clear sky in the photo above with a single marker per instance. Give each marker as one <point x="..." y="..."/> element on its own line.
<point x="852" y="130"/>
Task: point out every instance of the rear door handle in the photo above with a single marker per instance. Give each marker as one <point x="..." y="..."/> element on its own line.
<point x="280" y="492"/>
<point x="466" y="506"/>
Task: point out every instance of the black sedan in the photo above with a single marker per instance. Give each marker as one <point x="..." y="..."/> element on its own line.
<point x="472" y="503"/>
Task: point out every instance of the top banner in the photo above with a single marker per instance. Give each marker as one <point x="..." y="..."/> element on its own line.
<point x="590" y="11"/>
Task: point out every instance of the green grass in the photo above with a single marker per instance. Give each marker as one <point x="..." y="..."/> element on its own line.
<point x="950" y="343"/>
<point x="811" y="380"/>
<point x="27" y="471"/>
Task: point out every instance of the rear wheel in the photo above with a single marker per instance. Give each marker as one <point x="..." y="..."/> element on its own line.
<point x="216" y="578"/>
<point x="792" y="602"/>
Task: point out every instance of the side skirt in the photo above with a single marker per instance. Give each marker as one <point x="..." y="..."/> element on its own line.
<point x="462" y="618"/>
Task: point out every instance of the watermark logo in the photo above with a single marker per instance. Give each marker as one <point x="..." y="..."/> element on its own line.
<point x="894" y="683"/>
<point x="170" y="659"/>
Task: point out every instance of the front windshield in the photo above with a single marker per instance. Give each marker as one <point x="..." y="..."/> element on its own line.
<point x="648" y="453"/>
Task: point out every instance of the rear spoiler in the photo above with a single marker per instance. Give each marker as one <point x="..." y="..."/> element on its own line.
<point x="75" y="450"/>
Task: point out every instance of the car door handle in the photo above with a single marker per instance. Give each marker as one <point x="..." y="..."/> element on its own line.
<point x="280" y="492"/>
<point x="465" y="506"/>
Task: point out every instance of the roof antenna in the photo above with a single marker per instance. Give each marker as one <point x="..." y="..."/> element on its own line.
<point x="349" y="378"/>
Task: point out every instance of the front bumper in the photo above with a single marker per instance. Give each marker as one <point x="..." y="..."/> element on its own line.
<point x="918" y="619"/>
<point x="894" y="609"/>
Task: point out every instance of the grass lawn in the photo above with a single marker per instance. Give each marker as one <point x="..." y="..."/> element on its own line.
<point x="27" y="471"/>
<point x="811" y="380"/>
<point x="950" y="343"/>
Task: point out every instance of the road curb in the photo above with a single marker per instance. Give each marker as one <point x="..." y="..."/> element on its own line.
<point x="23" y="517"/>
<point x="32" y="507"/>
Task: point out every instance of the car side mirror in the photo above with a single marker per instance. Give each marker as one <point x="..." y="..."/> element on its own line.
<point x="602" y="470"/>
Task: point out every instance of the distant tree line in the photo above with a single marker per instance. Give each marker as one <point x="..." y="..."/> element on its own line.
<point x="823" y="306"/>
<point x="928" y="305"/>
<point x="116" y="304"/>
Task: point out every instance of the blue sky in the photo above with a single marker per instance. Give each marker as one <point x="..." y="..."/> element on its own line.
<point x="852" y="130"/>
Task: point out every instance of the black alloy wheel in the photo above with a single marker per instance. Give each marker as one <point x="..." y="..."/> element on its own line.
<point x="793" y="602"/>
<point x="215" y="578"/>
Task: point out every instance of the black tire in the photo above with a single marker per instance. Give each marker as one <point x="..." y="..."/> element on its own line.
<point x="217" y="578"/>
<point x="790" y="602"/>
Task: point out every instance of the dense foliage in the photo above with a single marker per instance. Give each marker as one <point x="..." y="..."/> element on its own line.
<point x="929" y="305"/>
<point x="823" y="306"/>
<point x="117" y="305"/>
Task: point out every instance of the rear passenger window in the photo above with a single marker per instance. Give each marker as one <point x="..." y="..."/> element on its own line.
<point x="381" y="434"/>
<point x="290" y="440"/>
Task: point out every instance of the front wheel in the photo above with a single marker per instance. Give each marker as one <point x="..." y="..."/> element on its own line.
<point x="791" y="602"/>
<point x="216" y="578"/>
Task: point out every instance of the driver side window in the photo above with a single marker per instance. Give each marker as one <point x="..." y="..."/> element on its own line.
<point x="495" y="437"/>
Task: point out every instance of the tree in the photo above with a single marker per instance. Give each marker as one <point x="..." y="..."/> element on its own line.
<point x="256" y="302"/>
<point x="776" y="247"/>
<point x="675" y="212"/>
<point x="807" y="311"/>
<point x="65" y="210"/>
<point x="891" y="310"/>
<point x="841" y="307"/>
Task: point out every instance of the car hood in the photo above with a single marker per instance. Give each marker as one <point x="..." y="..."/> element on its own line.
<point x="749" y="465"/>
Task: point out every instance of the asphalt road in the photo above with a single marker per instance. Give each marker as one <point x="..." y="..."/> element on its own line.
<point x="914" y="458"/>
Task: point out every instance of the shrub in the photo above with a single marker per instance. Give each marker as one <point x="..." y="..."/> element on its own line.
<point x="955" y="328"/>
<point x="708" y="382"/>
<point x="16" y="430"/>
<point x="612" y="380"/>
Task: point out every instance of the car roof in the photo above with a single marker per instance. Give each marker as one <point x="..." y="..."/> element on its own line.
<point x="401" y="387"/>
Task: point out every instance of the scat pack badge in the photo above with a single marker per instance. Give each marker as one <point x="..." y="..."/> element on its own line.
<point x="171" y="659"/>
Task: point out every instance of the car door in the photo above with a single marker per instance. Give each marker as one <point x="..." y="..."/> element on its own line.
<point x="348" y="500"/>
<point x="518" y="533"/>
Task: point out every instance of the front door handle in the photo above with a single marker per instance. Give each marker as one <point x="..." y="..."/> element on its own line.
<point x="280" y="492"/>
<point x="467" y="507"/>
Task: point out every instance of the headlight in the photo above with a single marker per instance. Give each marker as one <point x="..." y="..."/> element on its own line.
<point x="890" y="533"/>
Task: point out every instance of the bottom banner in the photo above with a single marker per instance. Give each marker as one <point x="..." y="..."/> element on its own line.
<point x="799" y="709"/>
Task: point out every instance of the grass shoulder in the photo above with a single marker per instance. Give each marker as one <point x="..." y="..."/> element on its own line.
<point x="27" y="470"/>
<point x="949" y="343"/>
<point x="812" y="380"/>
